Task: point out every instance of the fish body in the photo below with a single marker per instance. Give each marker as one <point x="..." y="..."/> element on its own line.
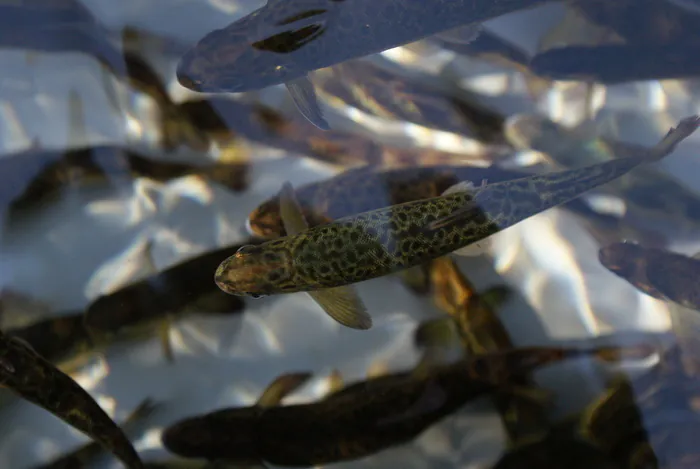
<point x="88" y="453"/>
<point x="356" y="421"/>
<point x="387" y="95"/>
<point x="58" y="26"/>
<point x="173" y="291"/>
<point x="618" y="63"/>
<point x="254" y="53"/>
<point x="657" y="272"/>
<point x="59" y="340"/>
<point x="651" y="197"/>
<point x="364" y="189"/>
<point x="30" y="376"/>
<point x="384" y="241"/>
<point x="227" y="118"/>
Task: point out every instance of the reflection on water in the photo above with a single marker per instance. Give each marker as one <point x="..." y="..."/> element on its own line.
<point x="124" y="190"/>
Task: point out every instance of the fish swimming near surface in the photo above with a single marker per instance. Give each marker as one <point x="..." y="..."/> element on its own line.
<point x="362" y="418"/>
<point x="662" y="274"/>
<point x="612" y="64"/>
<point x="285" y="40"/>
<point x="368" y="188"/>
<point x="387" y="240"/>
<point x="24" y="372"/>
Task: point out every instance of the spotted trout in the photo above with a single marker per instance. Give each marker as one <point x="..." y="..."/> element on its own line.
<point x="387" y="240"/>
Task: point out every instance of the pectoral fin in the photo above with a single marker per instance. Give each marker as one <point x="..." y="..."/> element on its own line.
<point x="281" y="387"/>
<point x="304" y="97"/>
<point x="461" y="35"/>
<point x="341" y="303"/>
<point x="344" y="305"/>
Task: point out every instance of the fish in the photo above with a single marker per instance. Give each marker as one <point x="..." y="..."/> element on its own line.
<point x="284" y="41"/>
<point x="555" y="452"/>
<point x="226" y="118"/>
<point x="612" y="64"/>
<point x="659" y="273"/>
<point x="482" y="332"/>
<point x="361" y="419"/>
<point x="156" y="300"/>
<point x="83" y="456"/>
<point x="651" y="197"/>
<point x="642" y="22"/>
<point x="176" y="128"/>
<point x="58" y="26"/>
<point x="46" y="172"/>
<point x="386" y="94"/>
<point x="387" y="240"/>
<point x="132" y="312"/>
<point x="368" y="188"/>
<point x="27" y="374"/>
<point x="491" y="48"/>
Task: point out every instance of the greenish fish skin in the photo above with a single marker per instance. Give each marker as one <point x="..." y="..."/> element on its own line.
<point x="387" y="240"/>
<point x="285" y="40"/>
<point x="31" y="377"/>
<point x="358" y="420"/>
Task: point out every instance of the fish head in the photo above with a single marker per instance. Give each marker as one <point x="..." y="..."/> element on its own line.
<point x="256" y="51"/>
<point x="214" y="436"/>
<point x="265" y="221"/>
<point x="257" y="270"/>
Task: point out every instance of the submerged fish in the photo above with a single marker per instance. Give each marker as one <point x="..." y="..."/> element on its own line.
<point x="383" y="241"/>
<point x="368" y="188"/>
<point x="132" y="312"/>
<point x="227" y="118"/>
<point x="47" y="171"/>
<point x="618" y="63"/>
<point x="83" y="456"/>
<point x="373" y="90"/>
<point x="58" y="26"/>
<point x="648" y="421"/>
<point x="160" y="298"/>
<point x="482" y="332"/>
<point x="665" y="275"/>
<point x="31" y="377"/>
<point x="361" y="419"/>
<point x="285" y="40"/>
<point x="652" y="198"/>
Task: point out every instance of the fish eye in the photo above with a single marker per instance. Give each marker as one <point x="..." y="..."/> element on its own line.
<point x="256" y="296"/>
